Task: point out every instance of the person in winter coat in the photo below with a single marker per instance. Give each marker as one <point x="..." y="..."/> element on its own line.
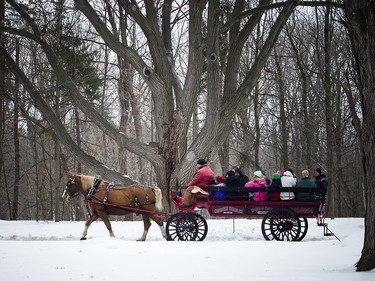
<point x="288" y="180"/>
<point x="235" y="178"/>
<point x="274" y="187"/>
<point x="202" y="177"/>
<point x="305" y="181"/>
<point x="321" y="182"/>
<point x="258" y="181"/>
<point x="231" y="179"/>
<point x="241" y="177"/>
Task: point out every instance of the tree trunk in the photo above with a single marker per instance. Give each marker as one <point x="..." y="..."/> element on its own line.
<point x="283" y="118"/>
<point x="328" y="109"/>
<point x="16" y="143"/>
<point x="2" y="94"/>
<point x="361" y="25"/>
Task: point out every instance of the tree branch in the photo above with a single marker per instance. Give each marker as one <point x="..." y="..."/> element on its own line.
<point x="59" y="128"/>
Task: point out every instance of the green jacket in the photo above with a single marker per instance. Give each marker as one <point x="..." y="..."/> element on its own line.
<point x="305" y="196"/>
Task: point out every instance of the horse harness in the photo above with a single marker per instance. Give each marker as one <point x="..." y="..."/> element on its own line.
<point x="111" y="186"/>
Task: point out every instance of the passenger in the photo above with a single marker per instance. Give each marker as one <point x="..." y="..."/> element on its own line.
<point x="219" y="180"/>
<point x="258" y="181"/>
<point x="288" y="180"/>
<point x="291" y="170"/>
<point x="268" y="181"/>
<point x="241" y="177"/>
<point x="202" y="177"/>
<point x="321" y="182"/>
<point x="236" y="179"/>
<point x="305" y="181"/>
<point x="231" y="179"/>
<point x="274" y="187"/>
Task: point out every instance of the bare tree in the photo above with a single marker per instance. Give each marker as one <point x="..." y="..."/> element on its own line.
<point x="360" y="17"/>
<point x="174" y="102"/>
<point x="2" y="94"/>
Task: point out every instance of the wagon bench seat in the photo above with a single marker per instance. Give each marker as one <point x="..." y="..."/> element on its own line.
<point x="215" y="188"/>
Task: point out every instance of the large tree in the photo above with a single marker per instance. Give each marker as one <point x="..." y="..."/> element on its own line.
<point x="175" y="98"/>
<point x="361" y="25"/>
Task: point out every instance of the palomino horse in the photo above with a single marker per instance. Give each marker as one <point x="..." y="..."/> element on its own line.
<point x="107" y="199"/>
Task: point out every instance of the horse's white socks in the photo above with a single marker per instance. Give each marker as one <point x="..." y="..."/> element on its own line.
<point x="143" y="238"/>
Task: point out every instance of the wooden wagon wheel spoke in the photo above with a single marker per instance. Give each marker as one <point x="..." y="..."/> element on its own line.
<point x="281" y="224"/>
<point x="186" y="227"/>
<point x="304" y="228"/>
<point x="202" y="228"/>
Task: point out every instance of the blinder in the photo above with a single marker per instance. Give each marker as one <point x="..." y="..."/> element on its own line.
<point x="68" y="188"/>
<point x="69" y="184"/>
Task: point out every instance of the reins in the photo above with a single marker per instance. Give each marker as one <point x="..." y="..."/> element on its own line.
<point x="129" y="209"/>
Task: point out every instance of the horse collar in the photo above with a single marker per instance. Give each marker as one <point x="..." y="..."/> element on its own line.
<point x="94" y="187"/>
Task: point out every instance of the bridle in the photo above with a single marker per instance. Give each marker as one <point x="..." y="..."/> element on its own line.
<point x="68" y="187"/>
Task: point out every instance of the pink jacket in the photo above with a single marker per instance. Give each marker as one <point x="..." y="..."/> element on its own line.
<point x="257" y="183"/>
<point x="258" y="196"/>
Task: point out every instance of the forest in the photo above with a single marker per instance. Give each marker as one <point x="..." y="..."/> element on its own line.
<point x="137" y="91"/>
<point x="296" y="113"/>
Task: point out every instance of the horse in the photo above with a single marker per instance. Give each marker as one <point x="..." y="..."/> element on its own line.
<point x="106" y="199"/>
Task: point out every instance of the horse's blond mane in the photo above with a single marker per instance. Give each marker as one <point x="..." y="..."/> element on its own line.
<point x="86" y="181"/>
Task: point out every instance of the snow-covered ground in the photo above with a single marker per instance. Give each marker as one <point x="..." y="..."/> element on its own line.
<point x="232" y="250"/>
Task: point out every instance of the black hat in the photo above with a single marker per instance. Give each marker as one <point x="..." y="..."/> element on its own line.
<point x="318" y="170"/>
<point x="201" y="161"/>
<point x="238" y="170"/>
<point x="230" y="174"/>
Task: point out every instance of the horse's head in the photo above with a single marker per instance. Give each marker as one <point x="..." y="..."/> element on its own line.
<point x="71" y="189"/>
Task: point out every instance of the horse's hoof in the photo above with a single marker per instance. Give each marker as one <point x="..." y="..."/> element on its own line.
<point x="83" y="238"/>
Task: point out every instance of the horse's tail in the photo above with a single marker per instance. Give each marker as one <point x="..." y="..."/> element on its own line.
<point x="158" y="198"/>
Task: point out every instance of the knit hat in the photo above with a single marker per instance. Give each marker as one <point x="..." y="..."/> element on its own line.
<point x="288" y="174"/>
<point x="258" y="174"/>
<point x="280" y="172"/>
<point x="201" y="162"/>
<point x="276" y="176"/>
<point x="237" y="170"/>
<point x="318" y="170"/>
<point x="230" y="174"/>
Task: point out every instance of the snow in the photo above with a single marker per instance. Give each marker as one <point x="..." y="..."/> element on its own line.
<point x="232" y="250"/>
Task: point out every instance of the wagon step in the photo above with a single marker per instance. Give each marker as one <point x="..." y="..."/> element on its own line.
<point x="327" y="231"/>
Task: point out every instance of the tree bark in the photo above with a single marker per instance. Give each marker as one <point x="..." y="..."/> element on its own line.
<point x="360" y="16"/>
<point x="2" y="95"/>
<point x="16" y="142"/>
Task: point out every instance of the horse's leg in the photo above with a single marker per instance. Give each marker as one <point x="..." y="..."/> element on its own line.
<point x="107" y="223"/>
<point x="159" y="221"/>
<point x="146" y="226"/>
<point x="87" y="225"/>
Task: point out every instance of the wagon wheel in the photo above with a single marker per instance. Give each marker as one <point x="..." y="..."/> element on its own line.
<point x="186" y="227"/>
<point x="281" y="224"/>
<point x="304" y="228"/>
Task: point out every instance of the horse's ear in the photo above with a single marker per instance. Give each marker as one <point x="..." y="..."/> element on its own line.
<point x="69" y="175"/>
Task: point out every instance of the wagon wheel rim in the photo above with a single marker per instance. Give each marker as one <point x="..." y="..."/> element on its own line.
<point x="186" y="227"/>
<point x="304" y="228"/>
<point x="202" y="227"/>
<point x="281" y="224"/>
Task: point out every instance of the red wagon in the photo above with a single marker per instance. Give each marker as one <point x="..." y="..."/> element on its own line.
<point x="282" y="220"/>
